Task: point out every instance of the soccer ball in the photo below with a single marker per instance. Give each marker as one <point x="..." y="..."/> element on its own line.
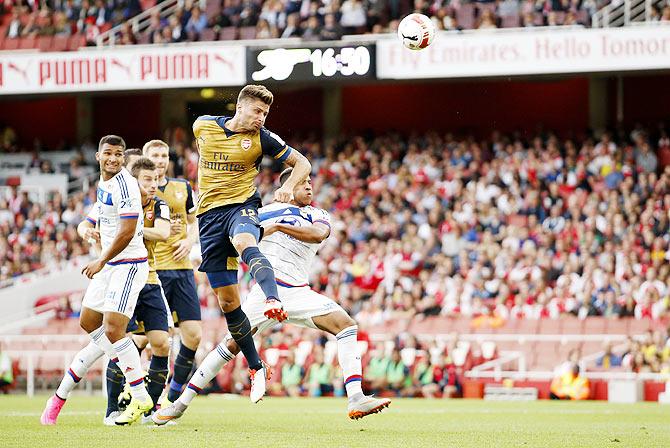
<point x="416" y="31"/>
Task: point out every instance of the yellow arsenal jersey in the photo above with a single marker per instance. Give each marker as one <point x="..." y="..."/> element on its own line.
<point x="178" y="195"/>
<point x="229" y="161"/>
<point x="153" y="210"/>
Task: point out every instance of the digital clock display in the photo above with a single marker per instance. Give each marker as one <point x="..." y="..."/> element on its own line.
<point x="311" y="64"/>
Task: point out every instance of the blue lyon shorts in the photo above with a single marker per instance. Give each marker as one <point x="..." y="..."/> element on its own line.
<point x="181" y="294"/>
<point x="217" y="228"/>
<point x="150" y="312"/>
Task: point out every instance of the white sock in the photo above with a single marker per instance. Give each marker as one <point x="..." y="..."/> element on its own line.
<point x="101" y="340"/>
<point x="80" y="365"/>
<point x="129" y="362"/>
<point x="207" y="370"/>
<point x="350" y="360"/>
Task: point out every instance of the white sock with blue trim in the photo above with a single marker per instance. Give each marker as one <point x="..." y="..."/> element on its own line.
<point x="207" y="370"/>
<point x="129" y="362"/>
<point x="350" y="360"/>
<point x="82" y="361"/>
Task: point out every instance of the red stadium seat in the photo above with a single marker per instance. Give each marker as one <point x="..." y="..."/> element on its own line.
<point x="76" y="41"/>
<point x="247" y="32"/>
<point x="27" y="43"/>
<point x="618" y="326"/>
<point x="527" y="326"/>
<point x="44" y="43"/>
<point x="228" y="33"/>
<point x="208" y="34"/>
<point x="563" y="349"/>
<point x="638" y="326"/>
<point x="595" y="325"/>
<point x="510" y="21"/>
<point x="3" y="36"/>
<point x="550" y="326"/>
<point x="572" y="325"/>
<point x="60" y="43"/>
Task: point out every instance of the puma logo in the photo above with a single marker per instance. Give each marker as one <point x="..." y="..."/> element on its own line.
<point x="412" y="38"/>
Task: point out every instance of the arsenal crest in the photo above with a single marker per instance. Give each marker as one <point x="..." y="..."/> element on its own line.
<point x="150" y="215"/>
<point x="246" y="144"/>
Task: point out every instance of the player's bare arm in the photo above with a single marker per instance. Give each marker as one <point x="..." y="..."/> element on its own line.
<point x="121" y="240"/>
<point x="301" y="169"/>
<point x="159" y="232"/>
<point x="183" y="247"/>
<point x="315" y="233"/>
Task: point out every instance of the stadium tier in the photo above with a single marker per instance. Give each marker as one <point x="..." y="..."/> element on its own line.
<point x="61" y="25"/>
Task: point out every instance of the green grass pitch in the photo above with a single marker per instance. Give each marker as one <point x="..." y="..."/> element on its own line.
<point x="219" y="421"/>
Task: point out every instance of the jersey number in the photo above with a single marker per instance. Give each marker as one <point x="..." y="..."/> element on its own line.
<point x="248" y="212"/>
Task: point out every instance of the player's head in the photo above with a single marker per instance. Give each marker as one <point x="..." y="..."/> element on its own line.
<point x="144" y="170"/>
<point x="253" y="106"/>
<point x="110" y="155"/>
<point x="130" y="157"/>
<point x="302" y="193"/>
<point x="159" y="153"/>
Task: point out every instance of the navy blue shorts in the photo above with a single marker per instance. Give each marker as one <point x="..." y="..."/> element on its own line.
<point x="217" y="228"/>
<point x="150" y="312"/>
<point x="181" y="294"/>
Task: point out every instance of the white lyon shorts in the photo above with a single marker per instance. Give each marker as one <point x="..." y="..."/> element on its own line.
<point x="301" y="304"/>
<point x="116" y="288"/>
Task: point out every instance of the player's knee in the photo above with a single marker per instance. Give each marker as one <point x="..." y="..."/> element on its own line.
<point x="244" y="238"/>
<point x="114" y="331"/>
<point x="227" y="302"/>
<point x="191" y="334"/>
<point x="192" y="339"/>
<point x="160" y="345"/>
<point x="88" y="327"/>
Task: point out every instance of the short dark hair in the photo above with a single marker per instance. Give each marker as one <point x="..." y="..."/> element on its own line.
<point x="285" y="175"/>
<point x="128" y="153"/>
<point x="143" y="163"/>
<point x="113" y="140"/>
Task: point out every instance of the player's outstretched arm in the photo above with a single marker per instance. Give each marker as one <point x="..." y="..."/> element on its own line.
<point x="301" y="169"/>
<point x="159" y="232"/>
<point x="308" y="234"/>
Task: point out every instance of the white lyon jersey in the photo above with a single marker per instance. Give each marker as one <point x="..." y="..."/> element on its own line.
<point x="119" y="198"/>
<point x="290" y="258"/>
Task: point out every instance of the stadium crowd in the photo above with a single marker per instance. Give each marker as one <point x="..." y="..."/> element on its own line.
<point x="65" y="17"/>
<point x="309" y="20"/>
<point x="433" y="225"/>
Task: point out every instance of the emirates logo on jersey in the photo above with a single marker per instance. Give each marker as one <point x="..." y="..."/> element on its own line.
<point x="246" y="144"/>
<point x="179" y="195"/>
